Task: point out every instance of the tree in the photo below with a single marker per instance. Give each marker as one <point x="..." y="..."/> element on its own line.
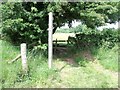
<point x="28" y="21"/>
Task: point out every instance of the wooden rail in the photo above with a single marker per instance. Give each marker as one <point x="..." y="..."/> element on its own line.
<point x="59" y="40"/>
<point x="56" y="43"/>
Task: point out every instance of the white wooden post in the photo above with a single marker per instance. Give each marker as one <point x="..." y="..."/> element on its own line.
<point x="23" y="57"/>
<point x="50" y="39"/>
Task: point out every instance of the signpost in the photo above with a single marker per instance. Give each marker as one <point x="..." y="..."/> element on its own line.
<point x="50" y="39"/>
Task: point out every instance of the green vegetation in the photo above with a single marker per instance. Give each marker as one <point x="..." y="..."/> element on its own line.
<point x="89" y="58"/>
<point x="29" y="20"/>
<point x="101" y="73"/>
<point x="12" y="73"/>
<point x="108" y="57"/>
<point x="77" y="29"/>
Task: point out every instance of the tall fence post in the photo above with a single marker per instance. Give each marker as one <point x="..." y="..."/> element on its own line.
<point x="50" y="39"/>
<point x="23" y="57"/>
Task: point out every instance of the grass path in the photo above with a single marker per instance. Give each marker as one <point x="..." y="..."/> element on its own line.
<point x="93" y="75"/>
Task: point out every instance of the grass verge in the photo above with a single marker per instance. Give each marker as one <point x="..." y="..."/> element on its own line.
<point x="11" y="75"/>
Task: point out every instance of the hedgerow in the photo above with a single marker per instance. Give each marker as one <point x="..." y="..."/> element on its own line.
<point x="89" y="38"/>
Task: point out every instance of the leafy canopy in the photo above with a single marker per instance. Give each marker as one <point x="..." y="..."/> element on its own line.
<point x="28" y="21"/>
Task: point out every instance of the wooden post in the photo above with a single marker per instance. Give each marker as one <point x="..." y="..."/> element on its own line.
<point x="56" y="42"/>
<point x="56" y="45"/>
<point x="50" y="39"/>
<point x="23" y="57"/>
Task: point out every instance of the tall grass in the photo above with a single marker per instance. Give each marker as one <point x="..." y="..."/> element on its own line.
<point x="107" y="57"/>
<point x="12" y="73"/>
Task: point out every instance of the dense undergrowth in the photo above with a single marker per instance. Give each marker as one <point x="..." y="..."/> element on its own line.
<point x="102" y="44"/>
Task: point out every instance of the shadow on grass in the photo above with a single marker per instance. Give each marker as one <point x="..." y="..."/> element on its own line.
<point x="73" y="56"/>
